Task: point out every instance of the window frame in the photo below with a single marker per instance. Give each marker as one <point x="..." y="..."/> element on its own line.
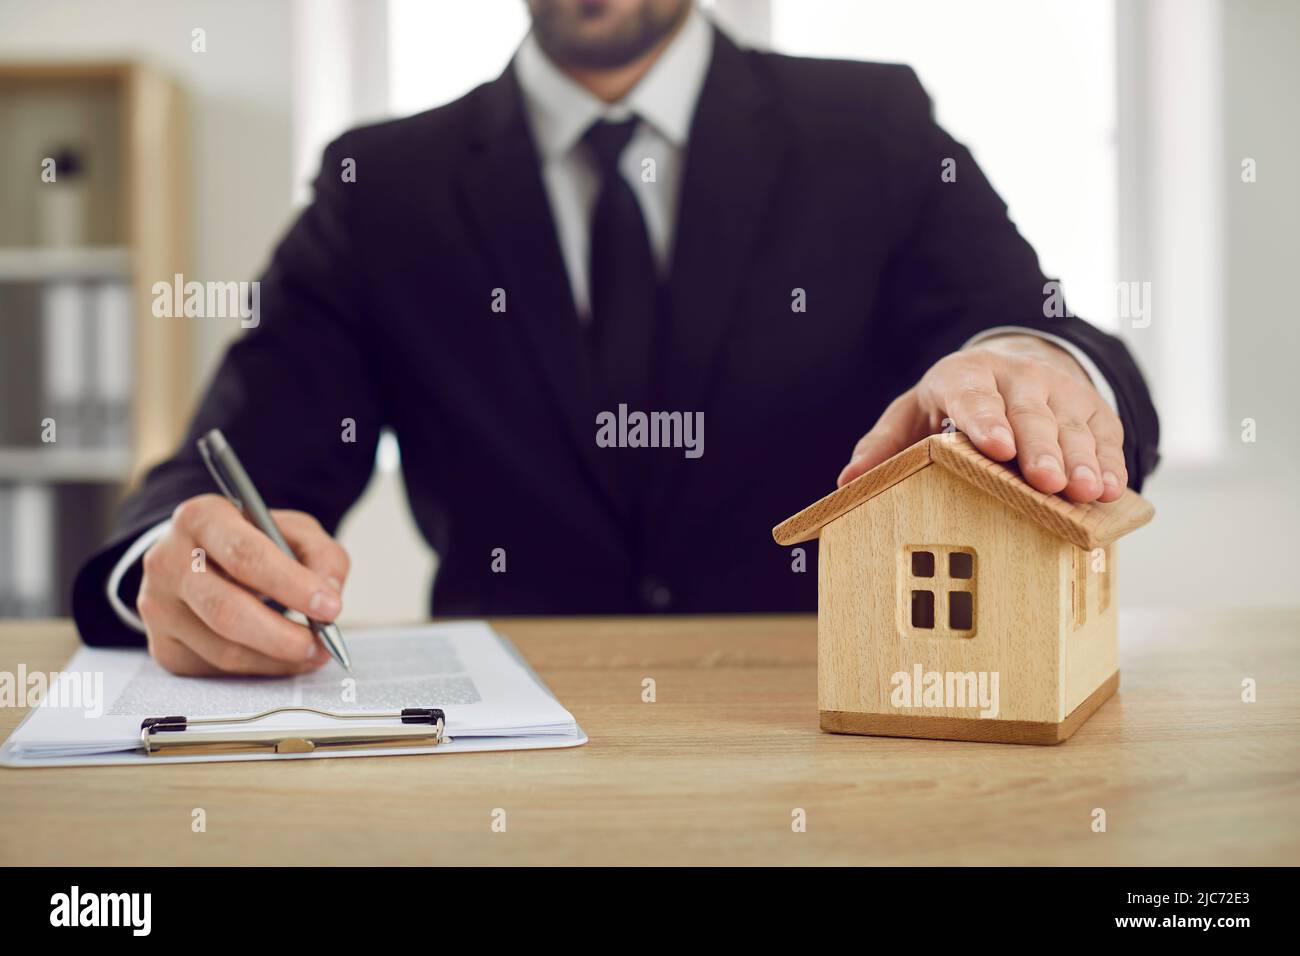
<point x="941" y="584"/>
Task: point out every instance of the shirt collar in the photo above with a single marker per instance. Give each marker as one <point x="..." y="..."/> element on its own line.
<point x="560" y="110"/>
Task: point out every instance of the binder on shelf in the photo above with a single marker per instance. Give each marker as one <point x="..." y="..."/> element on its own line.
<point x="179" y="736"/>
<point x="8" y="534"/>
<point x="63" y="307"/>
<point x="32" y="513"/>
<point x="110" y="390"/>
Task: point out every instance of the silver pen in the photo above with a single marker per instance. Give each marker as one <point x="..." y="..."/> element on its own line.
<point x="238" y="488"/>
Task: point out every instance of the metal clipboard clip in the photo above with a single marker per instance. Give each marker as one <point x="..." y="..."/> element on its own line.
<point x="180" y="736"/>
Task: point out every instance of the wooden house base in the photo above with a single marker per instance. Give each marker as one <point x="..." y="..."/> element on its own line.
<point x="969" y="728"/>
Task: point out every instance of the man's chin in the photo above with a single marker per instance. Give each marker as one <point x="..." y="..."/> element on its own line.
<point x="606" y="41"/>
<point x="603" y="52"/>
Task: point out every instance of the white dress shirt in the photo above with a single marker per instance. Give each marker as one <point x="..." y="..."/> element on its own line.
<point x="559" y="111"/>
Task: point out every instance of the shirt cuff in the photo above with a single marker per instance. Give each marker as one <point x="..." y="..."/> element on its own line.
<point x="1097" y="377"/>
<point x="127" y="615"/>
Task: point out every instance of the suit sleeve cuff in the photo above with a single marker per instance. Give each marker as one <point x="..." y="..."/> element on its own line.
<point x="126" y="614"/>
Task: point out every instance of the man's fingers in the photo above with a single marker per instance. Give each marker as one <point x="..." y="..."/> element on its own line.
<point x="208" y="618"/>
<point x="250" y="557"/>
<point x="157" y="610"/>
<point x="178" y="659"/>
<point x="1079" y="450"/>
<point x="229" y="657"/>
<point x="185" y="646"/>
<point x="1108" y="432"/>
<point x="970" y="397"/>
<point x="314" y="547"/>
<point x="898" y="427"/>
<point x="1037" y="448"/>
<point x="1030" y="402"/>
<point x="235" y="615"/>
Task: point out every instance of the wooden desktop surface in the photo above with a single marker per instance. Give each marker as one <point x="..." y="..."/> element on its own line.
<point x="712" y="771"/>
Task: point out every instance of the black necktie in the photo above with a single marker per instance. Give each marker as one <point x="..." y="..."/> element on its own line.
<point x="623" y="282"/>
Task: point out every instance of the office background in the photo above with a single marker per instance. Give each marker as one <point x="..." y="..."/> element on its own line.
<point x="1117" y="131"/>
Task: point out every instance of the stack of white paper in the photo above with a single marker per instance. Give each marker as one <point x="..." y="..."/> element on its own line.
<point x="91" y="711"/>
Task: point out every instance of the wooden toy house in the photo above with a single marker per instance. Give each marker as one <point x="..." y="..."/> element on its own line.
<point x="957" y="602"/>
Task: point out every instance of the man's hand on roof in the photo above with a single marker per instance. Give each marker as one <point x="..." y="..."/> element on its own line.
<point x="1015" y="396"/>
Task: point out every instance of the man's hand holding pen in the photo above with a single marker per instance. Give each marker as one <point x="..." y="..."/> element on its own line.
<point x="212" y="621"/>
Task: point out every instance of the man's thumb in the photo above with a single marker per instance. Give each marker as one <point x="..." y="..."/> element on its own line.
<point x="897" y="428"/>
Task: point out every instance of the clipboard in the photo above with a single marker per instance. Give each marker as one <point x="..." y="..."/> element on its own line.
<point x="303" y="723"/>
<point x="179" y="736"/>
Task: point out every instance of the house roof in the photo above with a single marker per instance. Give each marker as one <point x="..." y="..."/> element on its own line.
<point x="1092" y="525"/>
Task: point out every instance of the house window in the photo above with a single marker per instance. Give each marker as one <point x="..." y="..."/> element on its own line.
<point x="1105" y="576"/>
<point x="961" y="564"/>
<point x="961" y="610"/>
<point x="923" y="564"/>
<point x="1089" y="564"/>
<point x="1079" y="587"/>
<point x="923" y="609"/>
<point x="938" y="591"/>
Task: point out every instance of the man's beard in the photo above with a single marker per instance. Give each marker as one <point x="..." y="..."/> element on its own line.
<point x="559" y="34"/>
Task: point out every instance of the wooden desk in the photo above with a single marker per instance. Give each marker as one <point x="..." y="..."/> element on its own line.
<point x="1187" y="773"/>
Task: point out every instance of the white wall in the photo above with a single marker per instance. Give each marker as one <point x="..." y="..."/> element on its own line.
<point x="1033" y="98"/>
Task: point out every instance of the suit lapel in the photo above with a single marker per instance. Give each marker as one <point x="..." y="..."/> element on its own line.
<point x="503" y="196"/>
<point x="738" y="146"/>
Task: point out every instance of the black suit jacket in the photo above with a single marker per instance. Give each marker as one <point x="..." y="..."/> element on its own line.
<point x="377" y="307"/>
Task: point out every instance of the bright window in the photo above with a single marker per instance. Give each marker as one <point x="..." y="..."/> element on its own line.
<point x="1029" y="87"/>
<point x="439" y="50"/>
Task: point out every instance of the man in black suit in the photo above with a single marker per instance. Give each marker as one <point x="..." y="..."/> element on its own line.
<point x="636" y="217"/>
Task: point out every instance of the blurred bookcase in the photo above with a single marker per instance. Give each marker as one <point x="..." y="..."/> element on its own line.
<point x="92" y="214"/>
